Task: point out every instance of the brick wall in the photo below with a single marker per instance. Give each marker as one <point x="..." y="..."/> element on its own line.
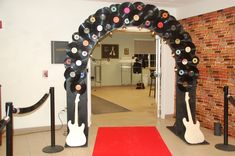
<point x="214" y="36"/>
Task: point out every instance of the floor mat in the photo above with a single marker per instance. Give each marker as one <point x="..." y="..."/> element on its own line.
<point x="129" y="141"/>
<point x="101" y="106"/>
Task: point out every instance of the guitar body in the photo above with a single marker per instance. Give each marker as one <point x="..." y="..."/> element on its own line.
<point x="193" y="134"/>
<point x="76" y="136"/>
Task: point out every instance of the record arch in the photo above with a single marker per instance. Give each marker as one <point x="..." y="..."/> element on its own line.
<point x="138" y="14"/>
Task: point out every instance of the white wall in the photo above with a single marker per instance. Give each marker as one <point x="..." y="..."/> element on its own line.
<point x="28" y="28"/>
<point x="203" y="7"/>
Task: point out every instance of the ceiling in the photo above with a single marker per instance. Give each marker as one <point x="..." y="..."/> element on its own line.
<point x="162" y="3"/>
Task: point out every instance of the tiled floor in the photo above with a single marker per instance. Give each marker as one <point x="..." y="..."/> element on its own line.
<point x="143" y="114"/>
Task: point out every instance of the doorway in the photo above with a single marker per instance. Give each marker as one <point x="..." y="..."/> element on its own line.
<point x="113" y="79"/>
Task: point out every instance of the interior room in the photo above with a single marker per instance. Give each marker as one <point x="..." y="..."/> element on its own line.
<point x="104" y="77"/>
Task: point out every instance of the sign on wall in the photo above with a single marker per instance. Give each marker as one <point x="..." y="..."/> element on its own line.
<point x="110" y="51"/>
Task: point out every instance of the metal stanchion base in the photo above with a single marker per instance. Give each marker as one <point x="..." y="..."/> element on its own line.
<point x="225" y="147"/>
<point x="53" y="149"/>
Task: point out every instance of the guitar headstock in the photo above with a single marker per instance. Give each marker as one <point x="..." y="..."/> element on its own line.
<point x="187" y="96"/>
<point x="77" y="99"/>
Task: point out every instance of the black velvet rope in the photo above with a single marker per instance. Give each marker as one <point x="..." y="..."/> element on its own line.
<point x="33" y="107"/>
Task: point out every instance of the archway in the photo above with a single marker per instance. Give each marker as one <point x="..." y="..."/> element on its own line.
<point x="107" y="19"/>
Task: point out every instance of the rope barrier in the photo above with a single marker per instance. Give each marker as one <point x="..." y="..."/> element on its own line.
<point x="31" y="108"/>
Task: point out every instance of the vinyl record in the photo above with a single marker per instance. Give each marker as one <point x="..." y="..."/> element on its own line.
<point x="71" y="74"/>
<point x="150" y="12"/>
<point x="79" y="87"/>
<point x="79" y="64"/>
<point x="91" y="19"/>
<point x="85" y="30"/>
<point x="116" y="21"/>
<point x="184" y="85"/>
<point x="182" y="61"/>
<point x="164" y="14"/>
<point x="195" y="60"/>
<point x="114" y="8"/>
<point x="189" y="47"/>
<point x="67" y="62"/>
<point x="72" y="50"/>
<point x="193" y="72"/>
<point x="139" y="6"/>
<point x="125" y="10"/>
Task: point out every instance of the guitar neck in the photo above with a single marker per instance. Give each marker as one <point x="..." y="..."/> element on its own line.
<point x="188" y="109"/>
<point x="77" y="99"/>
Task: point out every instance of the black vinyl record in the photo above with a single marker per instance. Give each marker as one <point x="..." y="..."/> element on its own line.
<point x="85" y="30"/>
<point x="193" y="72"/>
<point x="72" y="50"/>
<point x="79" y="64"/>
<point x="150" y="12"/>
<point x="189" y="47"/>
<point x="79" y="87"/>
<point x="67" y="62"/>
<point x="184" y="84"/>
<point x="71" y="74"/>
<point x="164" y="14"/>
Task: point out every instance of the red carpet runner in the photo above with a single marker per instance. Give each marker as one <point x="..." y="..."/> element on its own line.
<point x="129" y="141"/>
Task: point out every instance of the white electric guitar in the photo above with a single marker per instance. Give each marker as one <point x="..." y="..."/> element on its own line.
<point x="76" y="136"/>
<point x="193" y="134"/>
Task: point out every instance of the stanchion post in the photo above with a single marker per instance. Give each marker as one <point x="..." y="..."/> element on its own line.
<point x="52" y="148"/>
<point x="225" y="115"/>
<point x="9" y="130"/>
<point x="225" y="146"/>
<point x="52" y="103"/>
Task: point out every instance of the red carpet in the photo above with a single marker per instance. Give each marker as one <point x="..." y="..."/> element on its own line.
<point x="129" y="141"/>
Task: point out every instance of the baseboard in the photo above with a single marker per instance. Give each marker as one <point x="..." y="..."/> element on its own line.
<point x="23" y="131"/>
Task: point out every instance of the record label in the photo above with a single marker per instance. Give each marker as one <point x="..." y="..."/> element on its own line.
<point x="127" y="10"/>
<point x="92" y="19"/>
<point x="78" y="62"/>
<point x="136" y="17"/>
<point x="160" y="25"/>
<point x="74" y="50"/>
<point x="139" y="7"/>
<point x="94" y="37"/>
<point x="165" y="15"/>
<point x="86" y="30"/>
<point x="147" y="23"/>
<point x="127" y="21"/>
<point x="177" y="41"/>
<point x="184" y="61"/>
<point x="85" y="43"/>
<point x="78" y="87"/>
<point x="102" y="17"/>
<point x="113" y="8"/>
<point x="188" y="49"/>
<point x="84" y="53"/>
<point x="75" y="36"/>
<point x="72" y="74"/>
<point x="99" y="28"/>
<point x="116" y="19"/>
<point x="177" y="52"/>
